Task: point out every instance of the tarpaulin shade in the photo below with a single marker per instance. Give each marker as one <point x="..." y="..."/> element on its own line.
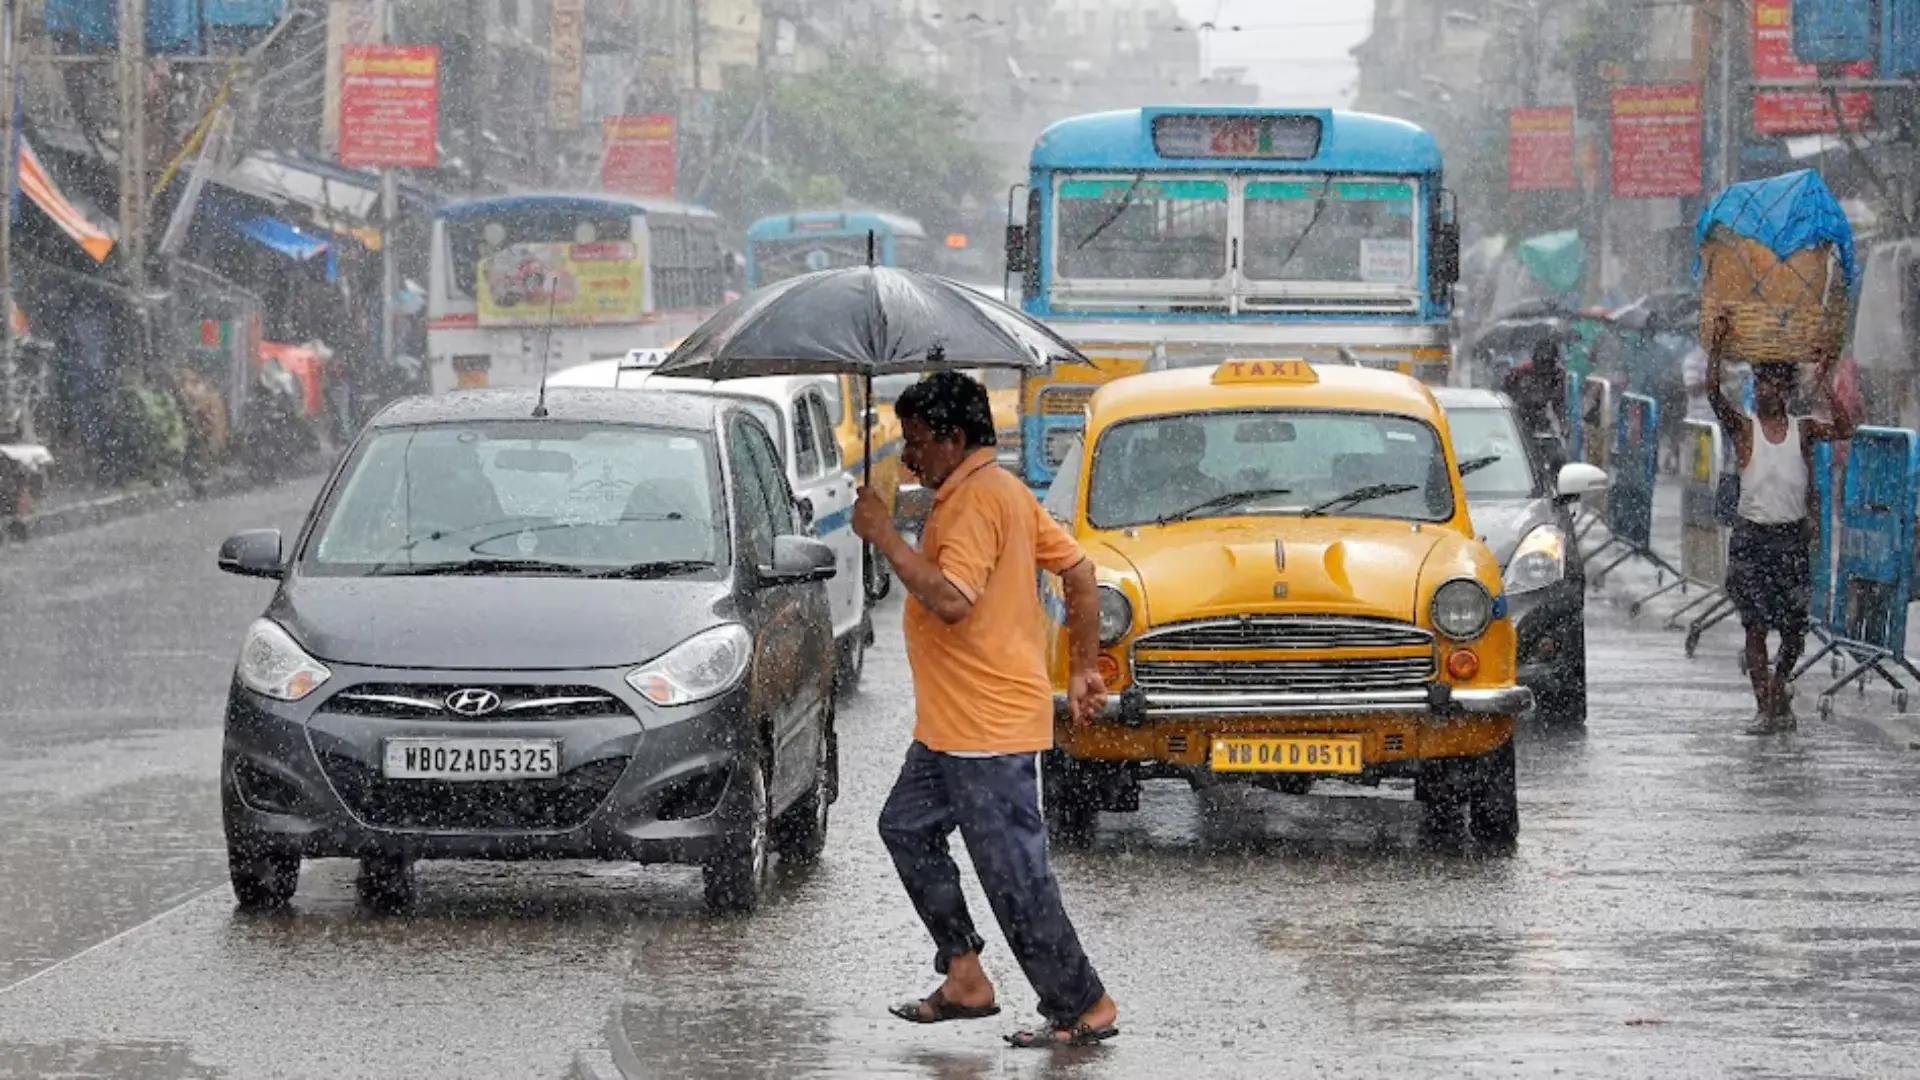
<point x="1556" y="259"/>
<point x="37" y="184"/>
<point x="282" y="237"/>
<point x="1788" y="213"/>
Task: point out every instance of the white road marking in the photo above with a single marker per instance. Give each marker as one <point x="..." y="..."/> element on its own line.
<point x="99" y="945"/>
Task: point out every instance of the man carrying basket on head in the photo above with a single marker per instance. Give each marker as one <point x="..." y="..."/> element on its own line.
<point x="1769" y="569"/>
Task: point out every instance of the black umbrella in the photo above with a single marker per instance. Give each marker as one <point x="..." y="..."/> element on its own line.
<point x="866" y="320"/>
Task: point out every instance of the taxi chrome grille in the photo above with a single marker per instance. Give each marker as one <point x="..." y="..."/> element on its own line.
<point x="411" y="701"/>
<point x="1286" y="632"/>
<point x="1283" y="676"/>
<point x="563" y="802"/>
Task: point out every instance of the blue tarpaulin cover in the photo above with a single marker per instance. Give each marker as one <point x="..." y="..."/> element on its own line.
<point x="283" y="238"/>
<point x="1788" y="213"/>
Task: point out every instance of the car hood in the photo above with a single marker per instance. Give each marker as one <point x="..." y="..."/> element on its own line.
<point x="1216" y="567"/>
<point x="494" y="623"/>
<point x="1503" y="523"/>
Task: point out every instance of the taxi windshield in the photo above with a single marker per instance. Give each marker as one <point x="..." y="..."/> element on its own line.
<point x="1272" y="461"/>
<point x="521" y="497"/>
<point x="1493" y="460"/>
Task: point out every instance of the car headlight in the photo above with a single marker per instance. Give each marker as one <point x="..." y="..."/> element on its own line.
<point x="697" y="668"/>
<point x="1462" y="609"/>
<point x="1539" y="561"/>
<point x="1116" y="615"/>
<point x="273" y="665"/>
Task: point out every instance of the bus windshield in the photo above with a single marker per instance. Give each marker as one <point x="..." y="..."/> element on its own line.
<point x="1143" y="228"/>
<point x="472" y="239"/>
<point x="1330" y="230"/>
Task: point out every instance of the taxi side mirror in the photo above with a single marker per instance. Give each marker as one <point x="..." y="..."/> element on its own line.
<point x="1578" y="479"/>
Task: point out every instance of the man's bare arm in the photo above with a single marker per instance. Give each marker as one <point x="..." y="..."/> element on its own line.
<point x="924" y="579"/>
<point x="1840" y="424"/>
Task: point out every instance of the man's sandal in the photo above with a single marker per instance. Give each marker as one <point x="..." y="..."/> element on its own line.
<point x="936" y="1009"/>
<point x="1078" y="1033"/>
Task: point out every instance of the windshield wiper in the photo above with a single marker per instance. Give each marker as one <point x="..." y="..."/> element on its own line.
<point x="482" y="567"/>
<point x="1126" y="200"/>
<point x="1319" y="209"/>
<point x="1472" y="465"/>
<point x="1359" y="495"/>
<point x="658" y="568"/>
<point x="1222" y="502"/>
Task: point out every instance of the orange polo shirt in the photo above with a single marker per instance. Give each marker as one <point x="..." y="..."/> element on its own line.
<point x="981" y="685"/>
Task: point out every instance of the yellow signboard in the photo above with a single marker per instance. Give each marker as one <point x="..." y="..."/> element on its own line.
<point x="1264" y="371"/>
<point x="572" y="284"/>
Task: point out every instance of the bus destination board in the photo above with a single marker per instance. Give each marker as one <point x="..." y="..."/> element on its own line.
<point x="1283" y="138"/>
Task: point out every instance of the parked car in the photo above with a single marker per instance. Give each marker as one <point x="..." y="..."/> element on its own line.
<point x="1523" y="508"/>
<point x="1290" y="591"/>
<point x="595" y="632"/>
<point x="797" y="412"/>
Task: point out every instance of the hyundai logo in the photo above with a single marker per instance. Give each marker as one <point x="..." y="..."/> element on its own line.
<point x="473" y="702"/>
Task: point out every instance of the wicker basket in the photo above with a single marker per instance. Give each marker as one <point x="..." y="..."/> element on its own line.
<point x="1783" y="311"/>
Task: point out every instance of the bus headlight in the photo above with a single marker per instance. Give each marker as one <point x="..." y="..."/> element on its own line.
<point x="1116" y="615"/>
<point x="1539" y="561"/>
<point x="1462" y="609"/>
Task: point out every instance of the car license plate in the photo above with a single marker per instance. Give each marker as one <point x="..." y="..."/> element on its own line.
<point x="1314" y="755"/>
<point x="472" y="759"/>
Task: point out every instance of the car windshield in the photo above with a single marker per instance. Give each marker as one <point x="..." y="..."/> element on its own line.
<point x="1493" y="460"/>
<point x="1268" y="462"/>
<point x="529" y="496"/>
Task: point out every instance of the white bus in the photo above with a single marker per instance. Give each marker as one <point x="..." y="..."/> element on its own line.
<point x="587" y="277"/>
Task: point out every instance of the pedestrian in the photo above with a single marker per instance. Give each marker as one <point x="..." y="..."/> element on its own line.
<point x="1769" y="568"/>
<point x="1538" y="388"/>
<point x="975" y="635"/>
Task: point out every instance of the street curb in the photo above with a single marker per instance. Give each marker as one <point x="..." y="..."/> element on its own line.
<point x="626" y="1063"/>
<point x="134" y="503"/>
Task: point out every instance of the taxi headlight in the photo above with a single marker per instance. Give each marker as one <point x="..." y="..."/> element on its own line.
<point x="1539" y="561"/>
<point x="272" y="665"/>
<point x="1462" y="609"/>
<point x="1116" y="615"/>
<point x="696" y="669"/>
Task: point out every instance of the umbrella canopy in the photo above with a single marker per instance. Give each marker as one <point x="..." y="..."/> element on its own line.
<point x="1519" y="335"/>
<point x="867" y="320"/>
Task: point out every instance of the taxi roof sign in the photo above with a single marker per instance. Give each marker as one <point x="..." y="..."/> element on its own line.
<point x="1264" y="371"/>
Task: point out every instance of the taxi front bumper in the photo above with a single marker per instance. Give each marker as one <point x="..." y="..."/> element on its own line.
<point x="1436" y="701"/>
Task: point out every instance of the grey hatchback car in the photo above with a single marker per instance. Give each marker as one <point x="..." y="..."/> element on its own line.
<point x="593" y="629"/>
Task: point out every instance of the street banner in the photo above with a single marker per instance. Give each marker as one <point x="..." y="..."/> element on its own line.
<point x="568" y="53"/>
<point x="637" y="155"/>
<point x="1656" y="140"/>
<point x="1798" y="112"/>
<point x="349" y="22"/>
<point x="390" y="106"/>
<point x="1540" y="150"/>
<point x="573" y="284"/>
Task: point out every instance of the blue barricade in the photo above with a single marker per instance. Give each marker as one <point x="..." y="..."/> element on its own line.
<point x="1873" y="578"/>
<point x="1635" y="466"/>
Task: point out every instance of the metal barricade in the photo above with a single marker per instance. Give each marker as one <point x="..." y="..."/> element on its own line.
<point x="1636" y="465"/>
<point x="1872" y="555"/>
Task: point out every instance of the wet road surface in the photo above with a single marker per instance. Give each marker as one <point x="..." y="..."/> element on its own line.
<point x="1683" y="901"/>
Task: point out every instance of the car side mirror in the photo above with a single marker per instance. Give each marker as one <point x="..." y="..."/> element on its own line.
<point x="1578" y="479"/>
<point x="873" y="417"/>
<point x="1443" y="265"/>
<point x="254" y="553"/>
<point x="803" y="507"/>
<point x="798" y="560"/>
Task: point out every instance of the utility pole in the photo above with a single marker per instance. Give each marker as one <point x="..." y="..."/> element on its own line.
<point x="133" y="141"/>
<point x="389" y="213"/>
<point x="693" y="19"/>
<point x="10" y="397"/>
<point x="477" y="82"/>
<point x="1724" y="164"/>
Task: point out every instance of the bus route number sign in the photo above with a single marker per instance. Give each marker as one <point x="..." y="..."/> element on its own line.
<point x="1285" y="138"/>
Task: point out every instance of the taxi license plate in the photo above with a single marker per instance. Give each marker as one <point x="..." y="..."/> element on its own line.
<point x="471" y="759"/>
<point x="1313" y="755"/>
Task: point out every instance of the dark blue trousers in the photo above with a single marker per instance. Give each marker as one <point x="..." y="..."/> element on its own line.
<point x="995" y="803"/>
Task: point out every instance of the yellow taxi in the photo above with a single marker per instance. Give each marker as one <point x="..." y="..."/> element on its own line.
<point x="1290" y="591"/>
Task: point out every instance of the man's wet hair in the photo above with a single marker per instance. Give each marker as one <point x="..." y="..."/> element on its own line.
<point x="950" y="403"/>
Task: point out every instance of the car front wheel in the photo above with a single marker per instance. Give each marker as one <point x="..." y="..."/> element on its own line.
<point x="1072" y="804"/>
<point x="264" y="878"/>
<point x="736" y="875"/>
<point x="1493" y="798"/>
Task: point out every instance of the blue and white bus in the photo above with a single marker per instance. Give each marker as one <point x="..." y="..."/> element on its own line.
<point x="584" y="277"/>
<point x="788" y="245"/>
<point x="1189" y="235"/>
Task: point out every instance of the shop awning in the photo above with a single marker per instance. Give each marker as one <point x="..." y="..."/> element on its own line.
<point x="37" y="184"/>
<point x="286" y="239"/>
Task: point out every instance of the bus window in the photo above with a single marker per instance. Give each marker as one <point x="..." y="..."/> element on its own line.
<point x="709" y="267"/>
<point x="470" y="240"/>
<point x="1142" y="228"/>
<point x="1327" y="230"/>
<point x="672" y="278"/>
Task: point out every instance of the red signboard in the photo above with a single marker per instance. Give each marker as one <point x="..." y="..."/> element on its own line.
<point x="1798" y="112"/>
<point x="390" y="106"/>
<point x="1656" y="140"/>
<point x="637" y="155"/>
<point x="1540" y="150"/>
